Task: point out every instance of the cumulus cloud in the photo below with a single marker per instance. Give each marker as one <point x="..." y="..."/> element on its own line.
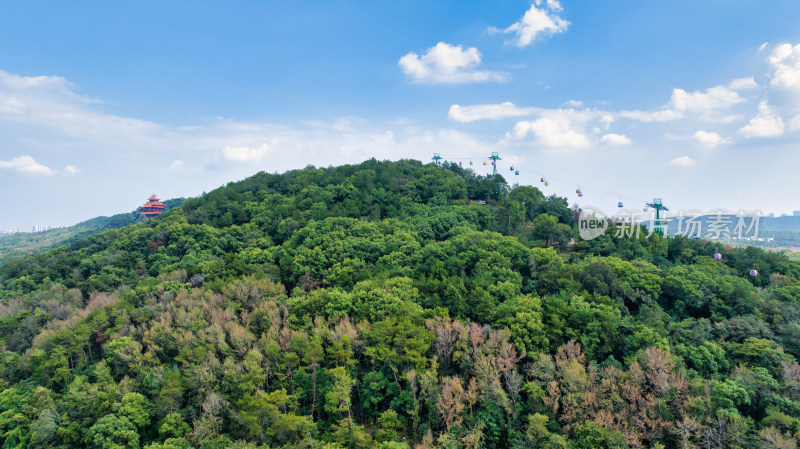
<point x="707" y="104"/>
<point x="26" y="164"/>
<point x="606" y="120"/>
<point x="245" y="153"/>
<point x="683" y="161"/>
<point x="712" y="99"/>
<point x="559" y="128"/>
<point x="567" y="128"/>
<point x="615" y="139"/>
<point x="176" y="164"/>
<point x="466" y="114"/>
<point x="664" y="115"/>
<point x="71" y="170"/>
<point x="766" y="123"/>
<point x="448" y="64"/>
<point x="552" y="133"/>
<point x="785" y="60"/>
<point x="743" y="84"/>
<point x="705" y="139"/>
<point x="540" y="20"/>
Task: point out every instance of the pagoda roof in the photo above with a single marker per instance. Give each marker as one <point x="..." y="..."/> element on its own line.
<point x="152" y="207"/>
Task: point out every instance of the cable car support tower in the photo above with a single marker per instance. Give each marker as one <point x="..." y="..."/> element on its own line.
<point x="494" y="157"/>
<point x="658" y="226"/>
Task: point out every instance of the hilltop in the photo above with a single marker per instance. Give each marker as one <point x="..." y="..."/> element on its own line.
<point x="395" y="305"/>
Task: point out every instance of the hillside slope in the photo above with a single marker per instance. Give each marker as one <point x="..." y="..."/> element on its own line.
<point x="379" y="306"/>
<point x="35" y="242"/>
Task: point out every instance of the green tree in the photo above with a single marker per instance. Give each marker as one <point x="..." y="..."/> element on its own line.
<point x="114" y="432"/>
<point x="545" y="228"/>
<point x="136" y="408"/>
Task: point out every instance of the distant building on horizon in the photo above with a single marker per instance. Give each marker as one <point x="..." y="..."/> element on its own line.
<point x="152" y="207"/>
<point x="796" y="213"/>
<point x="32" y="230"/>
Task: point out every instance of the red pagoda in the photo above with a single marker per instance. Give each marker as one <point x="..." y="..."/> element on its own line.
<point x="152" y="207"/>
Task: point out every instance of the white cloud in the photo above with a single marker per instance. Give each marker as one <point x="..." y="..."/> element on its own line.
<point x="466" y="114"/>
<point x="177" y="164"/>
<point x="743" y="84"/>
<point x="448" y="64"/>
<point x="785" y="60"/>
<point x="60" y="118"/>
<point x="663" y="115"/>
<point x="795" y="122"/>
<point x="555" y="131"/>
<point x="713" y="99"/>
<point x="71" y="170"/>
<point x="606" y="120"/>
<point x="19" y="82"/>
<point x="567" y="128"/>
<point x="26" y="164"/>
<point x="12" y="105"/>
<point x="227" y="149"/>
<point x="615" y="139"/>
<point x="683" y="161"/>
<point x="245" y="153"/>
<point x="51" y="102"/>
<point x="707" y="105"/>
<point x="705" y="139"/>
<point x="766" y="123"/>
<point x="535" y="23"/>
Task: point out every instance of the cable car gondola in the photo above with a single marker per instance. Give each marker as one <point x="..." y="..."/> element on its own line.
<point x="717" y="256"/>
<point x="516" y="172"/>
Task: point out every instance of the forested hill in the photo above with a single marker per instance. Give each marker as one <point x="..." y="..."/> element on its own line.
<point x="384" y="305"/>
<point x="22" y="243"/>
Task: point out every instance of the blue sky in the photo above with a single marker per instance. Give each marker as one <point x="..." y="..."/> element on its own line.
<point x="105" y="103"/>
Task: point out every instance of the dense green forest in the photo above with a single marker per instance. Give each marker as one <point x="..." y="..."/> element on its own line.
<point x="384" y="305"/>
<point x="23" y="243"/>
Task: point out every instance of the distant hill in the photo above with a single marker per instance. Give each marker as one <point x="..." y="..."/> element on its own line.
<point x="25" y="243"/>
<point x="781" y="223"/>
<point x="771" y="232"/>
